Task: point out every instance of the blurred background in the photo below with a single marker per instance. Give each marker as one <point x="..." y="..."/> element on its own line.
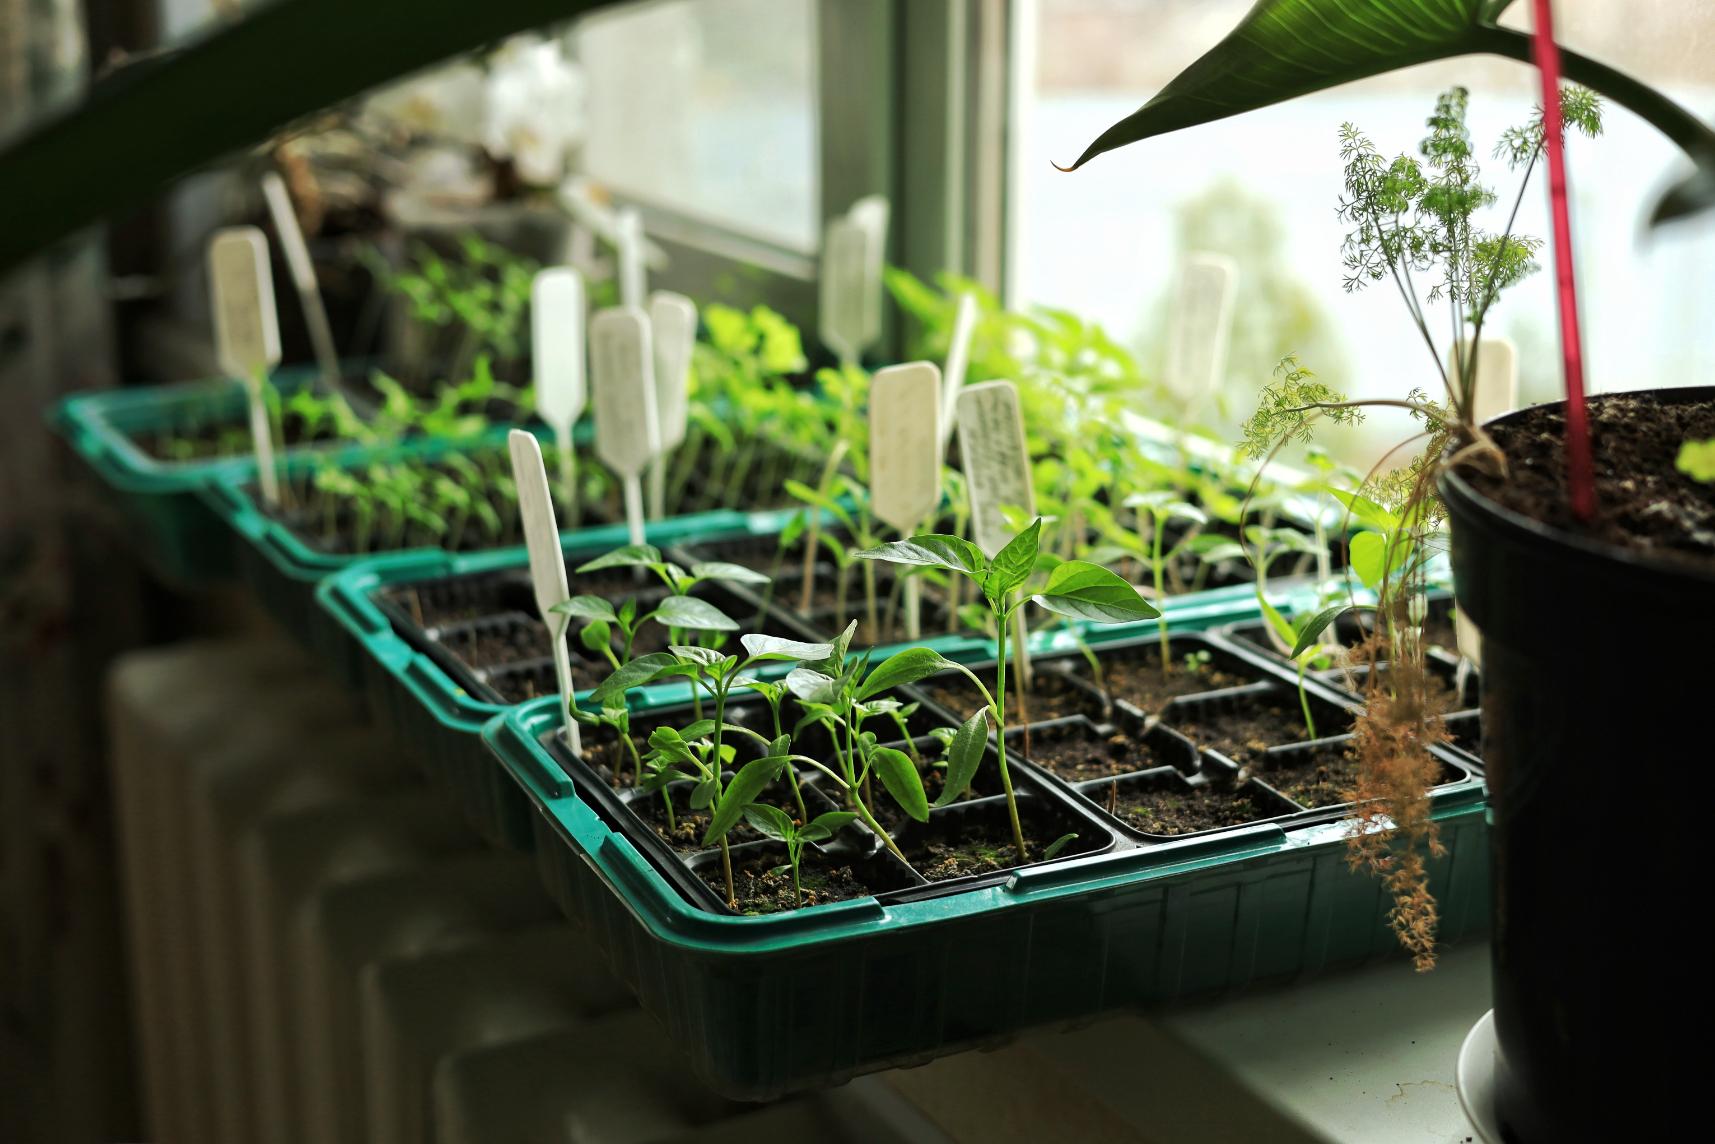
<point x="737" y="128"/>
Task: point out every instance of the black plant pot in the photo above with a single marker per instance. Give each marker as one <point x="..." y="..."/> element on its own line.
<point x="1596" y="678"/>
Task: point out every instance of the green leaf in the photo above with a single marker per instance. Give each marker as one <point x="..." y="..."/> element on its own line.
<point x="693" y="614"/>
<point x="1058" y="845"/>
<point x="811" y="686"/>
<point x="730" y="573"/>
<point x="1366" y="511"/>
<point x="775" y="648"/>
<point x="631" y="556"/>
<point x="701" y="729"/>
<point x="904" y="667"/>
<point x="1697" y="460"/>
<point x="595" y="635"/>
<point x="899" y="775"/>
<point x="702" y="795"/>
<point x="1090" y="592"/>
<point x="932" y="550"/>
<point x="638" y="672"/>
<point x="1312" y="631"/>
<point x="586" y="608"/>
<point x="964" y="756"/>
<point x="1013" y="564"/>
<point x="827" y="825"/>
<point x="707" y="658"/>
<point x="1369" y="557"/>
<point x="770" y="821"/>
<point x="752" y="779"/>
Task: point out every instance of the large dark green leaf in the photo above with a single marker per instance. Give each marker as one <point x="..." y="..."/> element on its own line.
<point x="752" y="779"/>
<point x="638" y="672"/>
<point x="964" y="756"/>
<point x="906" y="667"/>
<point x="693" y="614"/>
<point x="1282" y="49"/>
<point x="899" y="775"/>
<point x="1088" y="591"/>
<point x="933" y="550"/>
<point x="164" y="116"/>
<point x="1013" y="564"/>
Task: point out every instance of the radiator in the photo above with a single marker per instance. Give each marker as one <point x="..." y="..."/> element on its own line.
<point x="320" y="950"/>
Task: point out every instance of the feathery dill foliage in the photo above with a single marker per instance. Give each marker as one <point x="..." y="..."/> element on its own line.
<point x="1285" y="410"/>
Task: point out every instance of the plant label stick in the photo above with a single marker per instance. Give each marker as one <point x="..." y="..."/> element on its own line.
<point x="996" y="460"/>
<point x="1201" y="324"/>
<point x="627" y="429"/>
<point x="547" y="561"/>
<point x="1496" y="393"/>
<point x="673" y="327"/>
<point x="872" y="213"/>
<point x="557" y="352"/>
<point x="303" y="277"/>
<point x="905" y="456"/>
<point x="841" y="307"/>
<point x="958" y="360"/>
<point x="628" y="241"/>
<point x="247" y="331"/>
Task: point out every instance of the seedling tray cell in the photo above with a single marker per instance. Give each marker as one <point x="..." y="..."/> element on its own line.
<point x="771" y="1003"/>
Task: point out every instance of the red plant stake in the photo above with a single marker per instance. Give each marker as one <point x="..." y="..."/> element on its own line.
<point x="1580" y="472"/>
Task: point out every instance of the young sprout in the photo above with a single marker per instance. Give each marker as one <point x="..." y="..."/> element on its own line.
<point x="1146" y="543"/>
<point x="680" y="611"/>
<point x="772" y="822"/>
<point x="1074" y="588"/>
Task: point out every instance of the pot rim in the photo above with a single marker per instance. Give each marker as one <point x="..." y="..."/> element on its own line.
<point x="1451" y="480"/>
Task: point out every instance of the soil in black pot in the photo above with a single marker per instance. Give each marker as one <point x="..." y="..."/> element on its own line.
<point x="1053" y="696"/>
<point x="1078" y="752"/>
<point x="763" y="882"/>
<point x="1644" y="503"/>
<point x="1172" y="811"/>
<point x="1136" y="678"/>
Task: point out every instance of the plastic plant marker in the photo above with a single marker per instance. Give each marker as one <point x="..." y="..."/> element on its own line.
<point x="247" y="331"/>
<point x="996" y="460"/>
<point x="905" y="457"/>
<point x="1496" y="394"/>
<point x="303" y="272"/>
<point x="872" y="213"/>
<point x="557" y="350"/>
<point x="958" y="361"/>
<point x="673" y="326"/>
<point x="1200" y="327"/>
<point x="627" y="430"/>
<point x="1580" y="470"/>
<point x="628" y="242"/>
<point x="841" y="306"/>
<point x="547" y="562"/>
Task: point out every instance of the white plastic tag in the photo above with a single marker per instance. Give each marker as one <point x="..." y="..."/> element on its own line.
<point x="1497" y="378"/>
<point x="841" y="310"/>
<point x="557" y="345"/>
<point x="996" y="460"/>
<point x="547" y="562"/>
<point x="633" y="275"/>
<point x="673" y="326"/>
<point x="303" y="270"/>
<point x="958" y="361"/>
<point x="622" y="369"/>
<point x="872" y="213"/>
<point x="247" y="332"/>
<point x="1201" y="325"/>
<point x="905" y="444"/>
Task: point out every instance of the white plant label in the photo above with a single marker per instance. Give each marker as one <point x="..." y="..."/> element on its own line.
<point x="557" y="355"/>
<point x="247" y="331"/>
<point x="303" y="271"/>
<point x="841" y="309"/>
<point x="1497" y="378"/>
<point x="996" y="460"/>
<point x="958" y="361"/>
<point x="905" y="444"/>
<point x="547" y="561"/>
<point x="673" y="326"/>
<point x="633" y="276"/>
<point x="1201" y="326"/>
<point x="872" y="213"/>
<point x="627" y="428"/>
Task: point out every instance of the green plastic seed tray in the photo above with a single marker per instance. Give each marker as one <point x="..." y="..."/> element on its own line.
<point x="155" y="500"/>
<point x="772" y="1003"/>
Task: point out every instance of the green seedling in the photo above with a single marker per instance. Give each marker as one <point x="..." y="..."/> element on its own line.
<point x="1146" y="543"/>
<point x="772" y="822"/>
<point x="1074" y="588"/>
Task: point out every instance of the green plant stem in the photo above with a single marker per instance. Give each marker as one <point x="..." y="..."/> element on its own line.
<point x="1156" y="564"/>
<point x="999" y="710"/>
<point x="1304" y="703"/>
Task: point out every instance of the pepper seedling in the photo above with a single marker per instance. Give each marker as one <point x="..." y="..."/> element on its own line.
<point x="1075" y="588"/>
<point x="772" y="822"/>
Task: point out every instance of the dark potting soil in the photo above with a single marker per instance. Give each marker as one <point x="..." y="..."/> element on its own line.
<point x="1174" y="811"/>
<point x="1052" y="696"/>
<point x="1326" y="776"/>
<point x="762" y="882"/>
<point x="1138" y="680"/>
<point x="1078" y="753"/>
<point x="953" y="845"/>
<point x="1248" y="727"/>
<point x="520" y="683"/>
<point x="689" y="825"/>
<point x="609" y="758"/>
<point x="492" y="646"/>
<point x="1644" y="503"/>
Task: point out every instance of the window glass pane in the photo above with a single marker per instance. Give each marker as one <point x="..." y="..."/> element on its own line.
<point x="1263" y="188"/>
<point x="708" y="107"/>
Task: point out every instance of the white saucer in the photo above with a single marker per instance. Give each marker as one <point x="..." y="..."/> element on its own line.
<point x="1475" y="1079"/>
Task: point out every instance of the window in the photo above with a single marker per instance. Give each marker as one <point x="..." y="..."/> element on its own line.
<point x="1262" y="188"/>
